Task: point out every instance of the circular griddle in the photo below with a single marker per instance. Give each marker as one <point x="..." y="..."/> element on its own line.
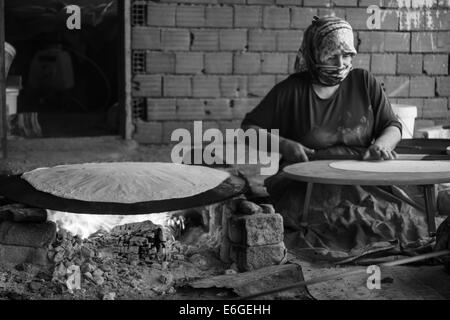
<point x="17" y="189"/>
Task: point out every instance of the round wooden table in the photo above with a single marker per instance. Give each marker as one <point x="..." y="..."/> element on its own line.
<point x="321" y="172"/>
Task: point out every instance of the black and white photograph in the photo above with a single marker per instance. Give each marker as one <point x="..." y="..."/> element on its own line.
<point x="223" y="158"/>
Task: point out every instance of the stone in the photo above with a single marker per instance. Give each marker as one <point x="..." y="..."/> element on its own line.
<point x="35" y="286"/>
<point x="73" y="281"/>
<point x="267" y="208"/>
<point x="109" y="296"/>
<point x="11" y="254"/>
<point x="39" y="235"/>
<point x="248" y="207"/>
<point x="256" y="257"/>
<point x="256" y="230"/>
<point x="99" y="280"/>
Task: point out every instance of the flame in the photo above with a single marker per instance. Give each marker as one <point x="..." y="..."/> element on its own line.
<point x="84" y="225"/>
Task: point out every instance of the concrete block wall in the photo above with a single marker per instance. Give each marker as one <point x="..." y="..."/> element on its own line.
<point x="214" y="60"/>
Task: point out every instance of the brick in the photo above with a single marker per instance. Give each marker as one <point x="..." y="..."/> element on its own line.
<point x="416" y="102"/>
<point x="256" y="229"/>
<point x="148" y="132"/>
<point x="435" y="64"/>
<point x="205" y="40"/>
<point x="301" y="17"/>
<point x="362" y="61"/>
<point x="262" y="40"/>
<point x="443" y="39"/>
<point x="344" y="3"/>
<point x="422" y="86"/>
<point x="443" y="21"/>
<point x="412" y="20"/>
<point x="409" y="64"/>
<point x="190" y="109"/>
<point x="316" y="3"/>
<point x="161" y="109"/>
<point x="205" y="86"/>
<point x="14" y="255"/>
<point x="146" y="86"/>
<point x="289" y="2"/>
<point x="219" y="17"/>
<point x="233" y="86"/>
<point x="218" y="109"/>
<point x="188" y="62"/>
<point x="332" y="12"/>
<point x="247" y="63"/>
<point x="161" y="15"/>
<point x="276" y="18"/>
<point x="289" y="40"/>
<point x="424" y="42"/>
<point x="190" y="16"/>
<point x="175" y="39"/>
<point x="383" y="63"/>
<point x="160" y="62"/>
<point x="372" y="41"/>
<point x="219" y="62"/>
<point x="177" y="86"/>
<point x="145" y="38"/>
<point x="37" y="235"/>
<point x="252" y="258"/>
<point x="232" y="39"/>
<point x="366" y="3"/>
<point x="397" y="41"/>
<point x="169" y="127"/>
<point x="231" y="1"/>
<point x="357" y="18"/>
<point x="396" y="86"/>
<point x="435" y="108"/>
<point x="247" y="17"/>
<point x="389" y="20"/>
<point x="443" y="86"/>
<point x="274" y="63"/>
<point x="265" y="2"/>
<point x="244" y="105"/>
<point x="260" y="85"/>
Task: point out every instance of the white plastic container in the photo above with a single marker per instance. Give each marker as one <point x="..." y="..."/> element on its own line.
<point x="407" y="116"/>
<point x="11" y="100"/>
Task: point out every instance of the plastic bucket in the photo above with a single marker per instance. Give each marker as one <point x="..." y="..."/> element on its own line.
<point x="10" y="53"/>
<point x="407" y="116"/>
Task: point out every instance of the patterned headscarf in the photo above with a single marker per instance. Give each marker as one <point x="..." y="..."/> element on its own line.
<point x="322" y="39"/>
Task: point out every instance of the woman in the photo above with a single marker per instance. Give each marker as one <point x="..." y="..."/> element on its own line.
<point x="327" y="107"/>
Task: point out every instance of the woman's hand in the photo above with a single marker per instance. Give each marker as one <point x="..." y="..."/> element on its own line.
<point x="293" y="151"/>
<point x="379" y="152"/>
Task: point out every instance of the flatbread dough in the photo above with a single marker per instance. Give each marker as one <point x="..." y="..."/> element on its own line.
<point x="125" y="182"/>
<point x="392" y="166"/>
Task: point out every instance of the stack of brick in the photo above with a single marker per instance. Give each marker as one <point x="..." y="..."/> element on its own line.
<point x="25" y="234"/>
<point x="214" y="60"/>
<point x="253" y="236"/>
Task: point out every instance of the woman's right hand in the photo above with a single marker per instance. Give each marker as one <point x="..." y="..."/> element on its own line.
<point x="294" y="152"/>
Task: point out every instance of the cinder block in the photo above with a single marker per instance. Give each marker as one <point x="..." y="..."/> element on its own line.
<point x="243" y="105"/>
<point x="424" y="42"/>
<point x="218" y="109"/>
<point x="366" y="3"/>
<point x="190" y="109"/>
<point x="231" y="1"/>
<point x="288" y="2"/>
<point x="146" y="86"/>
<point x="232" y="39"/>
<point x="435" y="64"/>
<point x="160" y="62"/>
<point x="444" y="3"/>
<point x="145" y="38"/>
<point x="175" y="39"/>
<point x="443" y="44"/>
<point x="280" y="77"/>
<point x="422" y="86"/>
<point x="260" y="85"/>
<point x="371" y="41"/>
<point x="256" y="230"/>
<point x="264" y="2"/>
<point x="291" y="62"/>
<point x="247" y="16"/>
<point x="397" y="41"/>
<point x="148" y="132"/>
<point x="233" y="86"/>
<point x="262" y="40"/>
<point x="161" y="109"/>
<point x="220" y="17"/>
<point x="389" y="20"/>
<point x="247" y="63"/>
<point x="362" y="61"/>
<point x="276" y="18"/>
<point x="205" y="86"/>
<point x="435" y="108"/>
<point x="409" y="64"/>
<point x="443" y="21"/>
<point x="38" y="235"/>
<point x="383" y="63"/>
<point x="205" y="40"/>
<point x="252" y="258"/>
<point x="190" y="16"/>
<point x="443" y="86"/>
<point x="177" y="86"/>
<point x="412" y="19"/>
<point x="188" y="62"/>
<point x="301" y="18"/>
<point x="289" y="40"/>
<point x="345" y="3"/>
<point x="170" y="126"/>
<point x="219" y="62"/>
<point x="274" y="63"/>
<point x="334" y="12"/>
<point x="397" y="86"/>
<point x="160" y="15"/>
<point x="316" y="3"/>
<point x="357" y="17"/>
<point x="229" y="125"/>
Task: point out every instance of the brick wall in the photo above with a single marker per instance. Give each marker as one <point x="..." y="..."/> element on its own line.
<point x="214" y="60"/>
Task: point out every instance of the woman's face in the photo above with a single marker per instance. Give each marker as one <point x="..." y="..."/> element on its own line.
<point x="338" y="59"/>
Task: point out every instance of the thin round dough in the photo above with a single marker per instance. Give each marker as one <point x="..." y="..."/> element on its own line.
<point x="125" y="182"/>
<point x="392" y="166"/>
